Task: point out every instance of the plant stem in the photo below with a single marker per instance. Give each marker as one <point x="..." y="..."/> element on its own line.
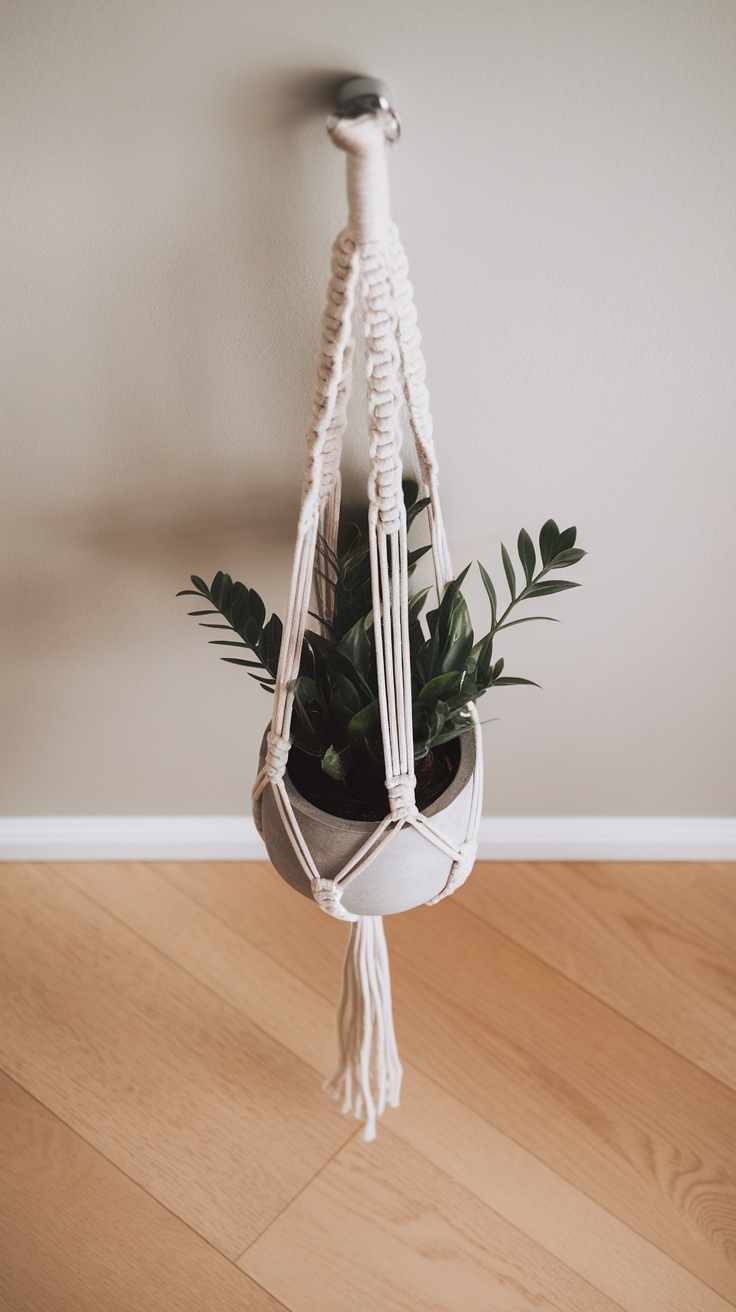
<point x="495" y="627"/>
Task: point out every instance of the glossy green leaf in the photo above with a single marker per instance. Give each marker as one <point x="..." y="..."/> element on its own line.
<point x="256" y="611"/>
<point x="239" y="608"/>
<point x="431" y="618"/>
<point x="567" y="539"/>
<point x="322" y="646"/>
<point x="441" y="686"/>
<point x="569" y="557"/>
<point x="229" y="642"/>
<point x="548" y="539"/>
<point x="347" y="700"/>
<point x="416" y="510"/>
<point x="416" y="603"/>
<point x="269" y="644"/>
<point x="453" y="732"/>
<point x="488" y="585"/>
<point x="221" y="590"/>
<point x="459" y="638"/>
<point x="355" y="646"/>
<point x="305" y="688"/>
<point x="412" y="557"/>
<point x="509" y="571"/>
<point x="453" y="637"/>
<point x="335" y="764"/>
<point x="527" y="554"/>
<point x="547" y="586"/>
<point x="413" y="503"/>
<point x="326" y="624"/>
<point x="506" y="681"/>
<point x="366" y="722"/>
<point x="480" y="661"/>
<point x="409" y="491"/>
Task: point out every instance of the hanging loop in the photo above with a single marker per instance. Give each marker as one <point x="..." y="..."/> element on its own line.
<point x="364" y="141"/>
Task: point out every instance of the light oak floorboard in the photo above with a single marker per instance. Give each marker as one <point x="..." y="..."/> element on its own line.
<point x="218" y="955"/>
<point x="76" y="1235"/>
<point x="217" y="1120"/>
<point x="600" y="930"/>
<point x="609" y="1108"/>
<point x="701" y="895"/>
<point x="520" y="1188"/>
<point x="381" y="1230"/>
<point x="605" y="1106"/>
<point x="251" y="898"/>
<point x="610" y="1255"/>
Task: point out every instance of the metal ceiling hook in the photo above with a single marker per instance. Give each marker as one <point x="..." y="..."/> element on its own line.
<point x="366" y="95"/>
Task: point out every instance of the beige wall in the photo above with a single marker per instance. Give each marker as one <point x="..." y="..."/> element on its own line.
<point x="565" y="188"/>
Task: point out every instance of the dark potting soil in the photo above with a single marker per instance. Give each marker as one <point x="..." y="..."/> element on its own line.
<point x="435" y="772"/>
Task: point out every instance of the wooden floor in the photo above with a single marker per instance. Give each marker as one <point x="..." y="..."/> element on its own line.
<point x="567" y="1136"/>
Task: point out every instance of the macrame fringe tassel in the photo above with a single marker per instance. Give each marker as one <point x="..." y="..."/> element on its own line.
<point x="368" y="1076"/>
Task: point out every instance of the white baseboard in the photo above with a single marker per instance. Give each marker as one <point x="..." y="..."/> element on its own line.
<point x="234" y="838"/>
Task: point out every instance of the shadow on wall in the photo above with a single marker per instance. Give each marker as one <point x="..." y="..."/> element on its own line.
<point x="178" y="452"/>
<point x="186" y="331"/>
<point x="207" y="350"/>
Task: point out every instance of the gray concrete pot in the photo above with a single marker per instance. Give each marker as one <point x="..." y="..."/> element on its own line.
<point x="407" y="873"/>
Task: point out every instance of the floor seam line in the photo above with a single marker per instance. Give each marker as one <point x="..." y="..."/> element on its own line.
<point x="297" y="1195"/>
<point x="655" y="1038"/>
<point x="116" y="1167"/>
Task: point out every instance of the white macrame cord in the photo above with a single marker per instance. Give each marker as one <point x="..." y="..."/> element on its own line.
<point x="370" y="272"/>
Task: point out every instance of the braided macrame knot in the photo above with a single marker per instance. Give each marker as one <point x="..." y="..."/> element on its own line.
<point x="387" y="492"/>
<point x="401" y="799"/>
<point x="389" y="508"/>
<point x="319" y="479"/>
<point x="330" y="471"/>
<point x="327" y="895"/>
<point x="459" y="871"/>
<point x="277" y="754"/>
<point x="462" y="867"/>
<point x="389" y="516"/>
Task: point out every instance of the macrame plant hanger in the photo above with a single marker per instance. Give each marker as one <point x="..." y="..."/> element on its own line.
<point x="369" y="279"/>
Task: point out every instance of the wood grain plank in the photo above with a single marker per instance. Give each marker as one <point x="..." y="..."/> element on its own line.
<point x="595" y="926"/>
<point x="216" y="954"/>
<point x="382" y="1230"/>
<point x="621" y="1116"/>
<point x="605" y="1106"/>
<point x="610" y="1255"/>
<point x="76" y="1235"/>
<point x="218" y="1121"/>
<point x="701" y="895"/>
<point x="565" y="1221"/>
<point x="252" y="898"/>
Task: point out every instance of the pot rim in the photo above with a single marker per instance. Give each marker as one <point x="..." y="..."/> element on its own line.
<point x="457" y="785"/>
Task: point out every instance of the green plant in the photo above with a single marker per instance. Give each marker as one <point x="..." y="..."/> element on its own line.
<point x="336" y="716"/>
